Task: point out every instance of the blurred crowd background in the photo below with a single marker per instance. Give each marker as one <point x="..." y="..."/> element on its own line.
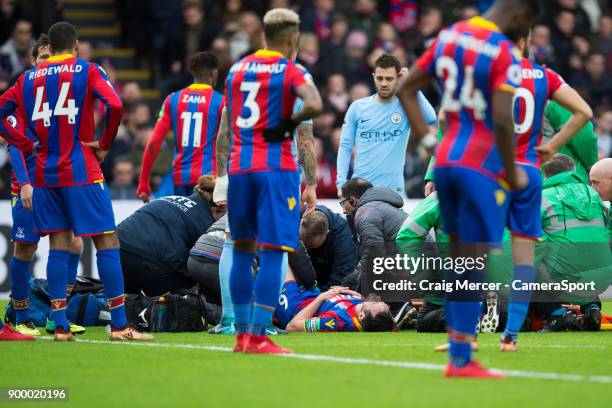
<point x="144" y="46"/>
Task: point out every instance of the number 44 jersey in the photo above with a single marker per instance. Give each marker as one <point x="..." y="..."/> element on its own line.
<point x="471" y="60"/>
<point x="56" y="101"/>
<point x="260" y="91"/>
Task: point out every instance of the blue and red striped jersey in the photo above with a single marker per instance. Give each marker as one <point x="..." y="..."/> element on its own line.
<point x="471" y="60"/>
<point x="194" y="115"/>
<point x="537" y="88"/>
<point x="22" y="166"/>
<point x="335" y="315"/>
<point x="56" y="99"/>
<point x="260" y="90"/>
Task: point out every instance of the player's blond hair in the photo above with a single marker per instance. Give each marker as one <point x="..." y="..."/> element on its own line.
<point x="278" y="22"/>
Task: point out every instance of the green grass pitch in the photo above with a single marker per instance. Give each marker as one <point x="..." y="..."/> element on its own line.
<point x="339" y="370"/>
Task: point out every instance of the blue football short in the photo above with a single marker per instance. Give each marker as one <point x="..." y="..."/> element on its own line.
<point x="524" y="218"/>
<point x="264" y="207"/>
<point x="85" y="209"/>
<point x="24" y="227"/>
<point x="473" y="206"/>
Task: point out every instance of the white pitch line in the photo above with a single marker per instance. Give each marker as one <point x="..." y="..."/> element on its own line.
<point x="523" y="346"/>
<point x="364" y="361"/>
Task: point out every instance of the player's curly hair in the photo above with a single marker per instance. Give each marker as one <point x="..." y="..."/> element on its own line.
<point x="205" y="188"/>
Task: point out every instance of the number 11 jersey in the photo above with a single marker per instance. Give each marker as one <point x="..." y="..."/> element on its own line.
<point x="260" y="91"/>
<point x="56" y="100"/>
<point x="194" y="114"/>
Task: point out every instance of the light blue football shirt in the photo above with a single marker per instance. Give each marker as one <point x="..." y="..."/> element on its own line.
<point x="379" y="132"/>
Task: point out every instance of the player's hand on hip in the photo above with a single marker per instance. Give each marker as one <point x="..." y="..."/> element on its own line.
<point x="546" y="151"/>
<point x="430" y="187"/>
<point x="309" y="197"/>
<point x="26" y="196"/>
<point x="220" y="191"/>
<point x="100" y="154"/>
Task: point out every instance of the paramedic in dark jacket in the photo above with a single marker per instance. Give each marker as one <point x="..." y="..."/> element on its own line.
<point x="377" y="216"/>
<point x="156" y="239"/>
<point x="332" y="250"/>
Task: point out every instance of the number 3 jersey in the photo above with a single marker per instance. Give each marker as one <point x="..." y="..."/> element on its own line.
<point x="471" y="60"/>
<point x="538" y="87"/>
<point x="260" y="91"/>
<point x="56" y="100"/>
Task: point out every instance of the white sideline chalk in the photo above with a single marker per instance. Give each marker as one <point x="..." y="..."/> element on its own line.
<point x="364" y="361"/>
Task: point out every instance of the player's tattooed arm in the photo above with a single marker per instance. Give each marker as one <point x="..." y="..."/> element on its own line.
<point x="308" y="156"/>
<point x="223" y="144"/>
<point x="223" y="151"/>
<point x="312" y="103"/>
<point x="306" y="149"/>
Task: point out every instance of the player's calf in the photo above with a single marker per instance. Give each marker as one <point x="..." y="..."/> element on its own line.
<point x="19" y="270"/>
<point x="109" y="269"/>
<point x="76" y="248"/>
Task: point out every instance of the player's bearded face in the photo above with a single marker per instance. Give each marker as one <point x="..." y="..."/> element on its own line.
<point x="385" y="80"/>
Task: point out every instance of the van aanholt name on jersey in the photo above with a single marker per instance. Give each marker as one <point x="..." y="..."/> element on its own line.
<point x="259" y="68"/>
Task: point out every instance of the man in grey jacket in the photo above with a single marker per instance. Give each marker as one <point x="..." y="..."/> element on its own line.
<point x="375" y="214"/>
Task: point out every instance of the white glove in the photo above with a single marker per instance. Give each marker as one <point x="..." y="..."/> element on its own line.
<point x="220" y="191"/>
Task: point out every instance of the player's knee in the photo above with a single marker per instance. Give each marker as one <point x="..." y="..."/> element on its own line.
<point x="76" y="245"/>
<point x="25" y="252"/>
<point x="523" y="250"/>
<point x="106" y="241"/>
<point x="60" y="240"/>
